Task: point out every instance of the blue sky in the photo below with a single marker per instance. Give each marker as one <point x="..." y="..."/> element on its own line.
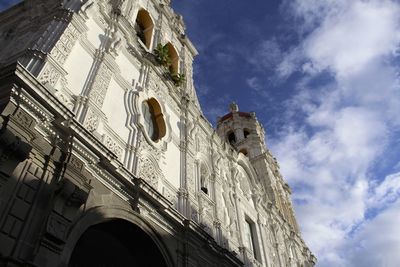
<point x="323" y="78"/>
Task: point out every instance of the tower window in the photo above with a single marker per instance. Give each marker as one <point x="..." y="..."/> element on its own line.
<point x="231" y="138"/>
<point x="144" y="27"/>
<point x="246" y="133"/>
<point x="154" y="123"/>
<point x="244" y="151"/>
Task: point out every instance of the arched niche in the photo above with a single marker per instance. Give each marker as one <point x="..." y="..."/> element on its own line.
<point x="246" y="132"/>
<point x="244" y="151"/>
<point x="144" y="27"/>
<point x="204" y="179"/>
<point x="246" y="177"/>
<point x="230" y="136"/>
<point x="173" y="55"/>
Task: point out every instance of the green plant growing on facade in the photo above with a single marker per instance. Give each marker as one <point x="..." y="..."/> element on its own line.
<point x="178" y="78"/>
<point x="162" y="55"/>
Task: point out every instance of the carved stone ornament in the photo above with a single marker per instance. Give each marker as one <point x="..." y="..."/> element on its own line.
<point x="49" y="75"/>
<point x="149" y="171"/>
<point x="64" y="99"/>
<point x="64" y="46"/>
<point x="91" y="121"/>
<point x="113" y="146"/>
<point x="100" y="85"/>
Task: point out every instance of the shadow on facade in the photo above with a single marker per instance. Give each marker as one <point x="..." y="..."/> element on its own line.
<point x="116" y="243"/>
<point x="45" y="220"/>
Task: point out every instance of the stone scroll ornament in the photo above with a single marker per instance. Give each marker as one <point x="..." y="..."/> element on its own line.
<point x="148" y="171"/>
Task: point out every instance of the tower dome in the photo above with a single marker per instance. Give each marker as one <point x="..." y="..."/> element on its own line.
<point x="242" y="130"/>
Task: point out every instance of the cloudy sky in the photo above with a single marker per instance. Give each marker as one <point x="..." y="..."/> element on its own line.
<point x="323" y="77"/>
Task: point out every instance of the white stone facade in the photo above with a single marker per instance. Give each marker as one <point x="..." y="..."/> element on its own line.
<point x="75" y="76"/>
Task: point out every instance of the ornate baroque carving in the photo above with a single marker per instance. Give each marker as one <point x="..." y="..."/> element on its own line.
<point x="100" y="85"/>
<point x="91" y="121"/>
<point x="49" y="75"/>
<point x="65" y="44"/>
<point x="113" y="146"/>
<point x="149" y="171"/>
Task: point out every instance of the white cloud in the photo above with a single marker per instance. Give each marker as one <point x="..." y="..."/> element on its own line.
<point x="347" y="124"/>
<point x="378" y="242"/>
<point x="254" y="83"/>
<point x="347" y="41"/>
<point x="266" y="55"/>
<point x="386" y="192"/>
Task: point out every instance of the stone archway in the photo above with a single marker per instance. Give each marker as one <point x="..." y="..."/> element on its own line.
<point x="116" y="243"/>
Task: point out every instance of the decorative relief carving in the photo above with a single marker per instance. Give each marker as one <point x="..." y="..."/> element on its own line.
<point x="149" y="171"/>
<point x="155" y="84"/>
<point x="23" y="118"/>
<point x="100" y="85"/>
<point x="91" y="121"/>
<point x="157" y="153"/>
<point x="76" y="163"/>
<point x="49" y="75"/>
<point x="232" y="218"/>
<point x="206" y="215"/>
<point x="113" y="146"/>
<point x="245" y="185"/>
<point x="64" y="98"/>
<point x="204" y="148"/>
<point x="65" y="44"/>
<point x="191" y="183"/>
<point x="222" y="199"/>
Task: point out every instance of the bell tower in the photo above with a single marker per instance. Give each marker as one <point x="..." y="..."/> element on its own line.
<point x="243" y="131"/>
<point x="246" y="135"/>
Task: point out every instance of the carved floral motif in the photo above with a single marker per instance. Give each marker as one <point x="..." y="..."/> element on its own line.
<point x="91" y="121"/>
<point x="113" y="146"/>
<point x="148" y="171"/>
<point x="49" y="75"/>
<point x="100" y="85"/>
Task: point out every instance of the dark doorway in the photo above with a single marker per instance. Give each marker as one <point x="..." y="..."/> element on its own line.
<point x="116" y="243"/>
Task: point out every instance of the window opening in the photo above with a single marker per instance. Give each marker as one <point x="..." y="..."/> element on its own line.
<point x="203" y="180"/>
<point x="173" y="55"/>
<point x="144" y="27"/>
<point x="231" y="138"/>
<point x="250" y="237"/>
<point x="244" y="151"/>
<point x="154" y="123"/>
<point x="246" y="133"/>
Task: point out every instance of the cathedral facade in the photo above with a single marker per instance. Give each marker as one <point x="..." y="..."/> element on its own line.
<point x="106" y="158"/>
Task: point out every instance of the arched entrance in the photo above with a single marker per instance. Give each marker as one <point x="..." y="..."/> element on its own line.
<point x="116" y="243"/>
